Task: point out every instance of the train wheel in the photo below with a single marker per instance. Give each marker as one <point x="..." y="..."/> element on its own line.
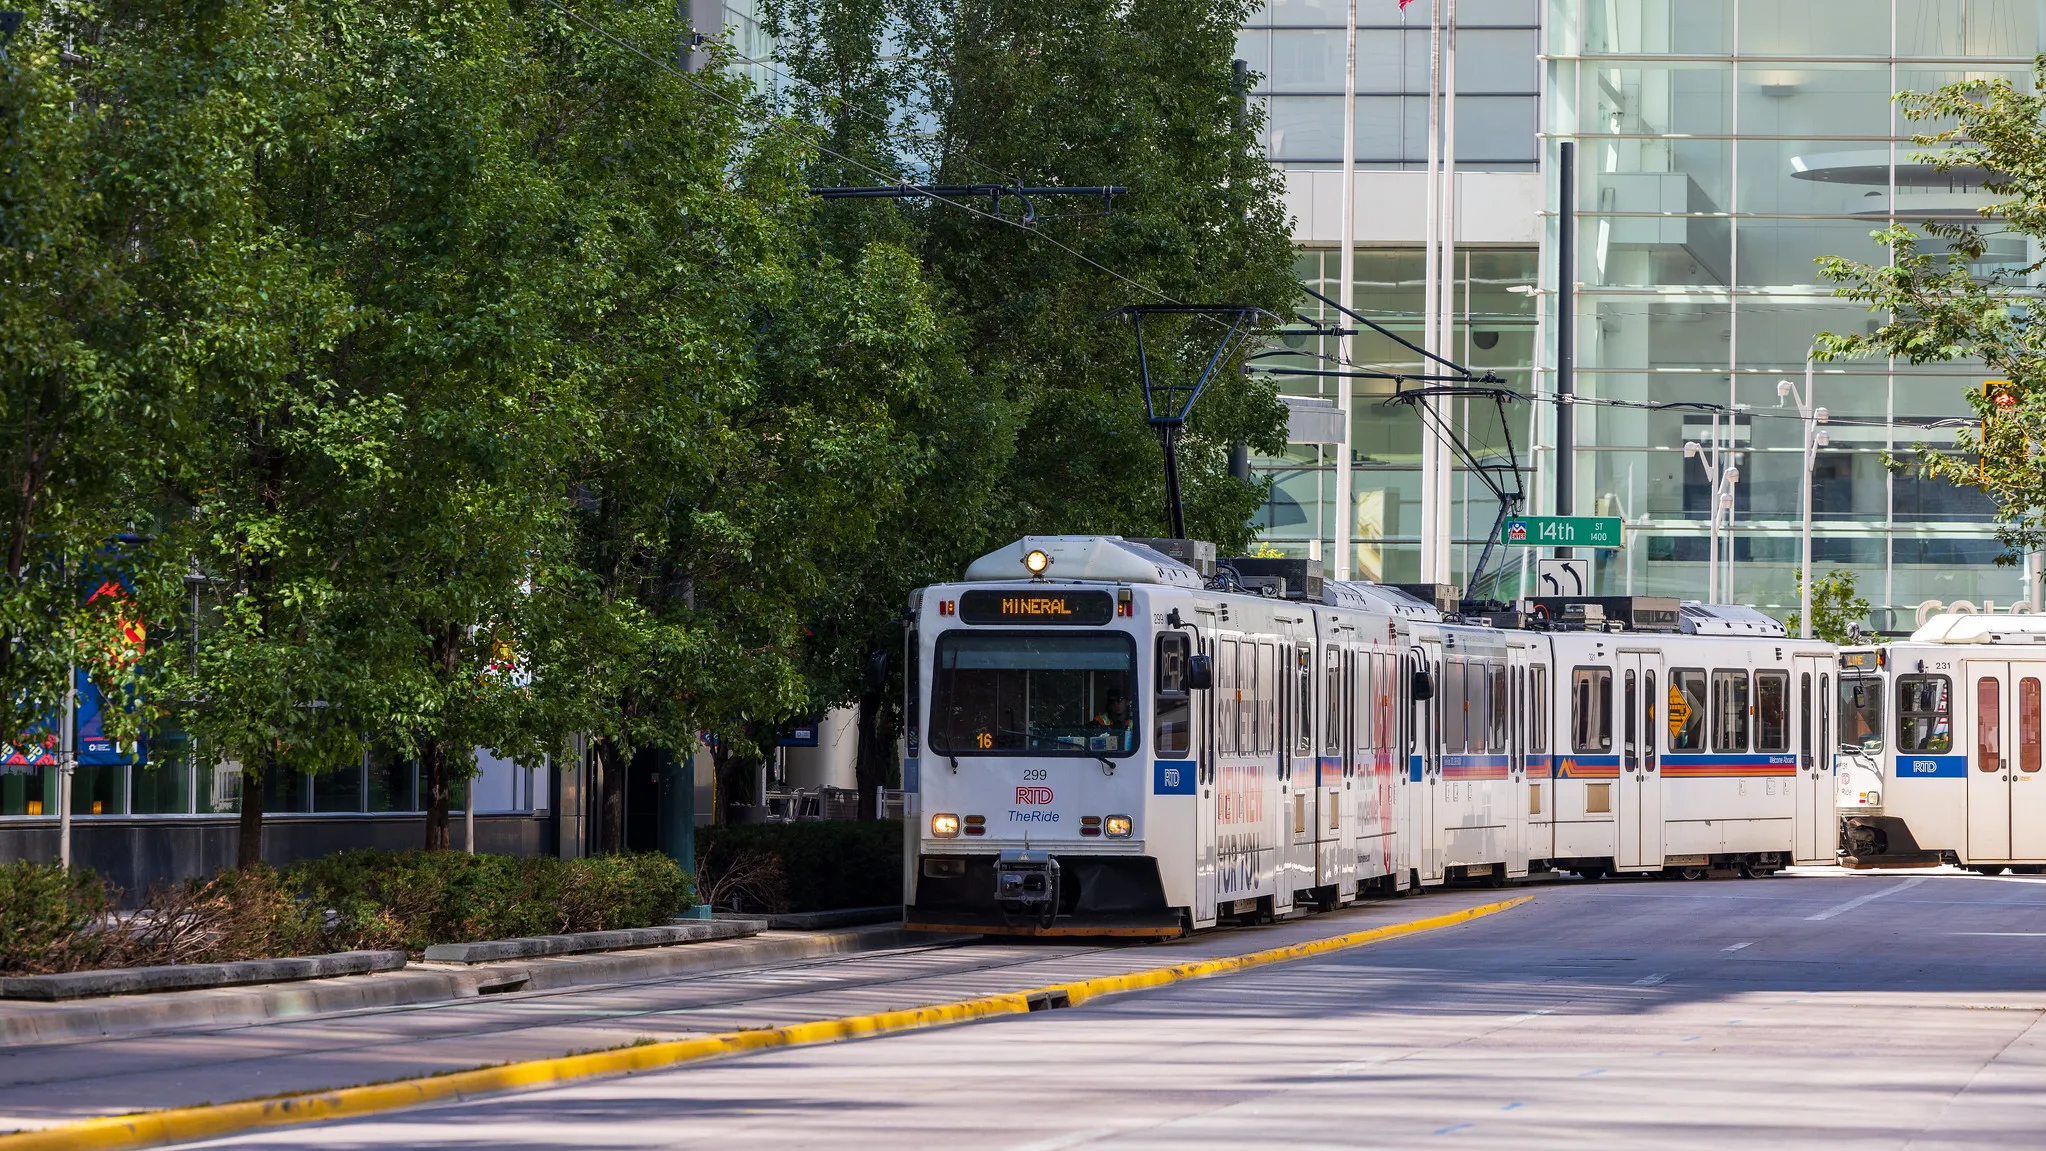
<point x="1591" y="873"/>
<point x="1983" y="869"/>
<point x="1694" y="873"/>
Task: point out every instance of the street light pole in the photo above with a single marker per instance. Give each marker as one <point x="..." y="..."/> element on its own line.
<point x="1809" y="421"/>
<point x="1720" y="481"/>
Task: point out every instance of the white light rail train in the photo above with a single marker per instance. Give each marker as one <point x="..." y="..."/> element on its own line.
<point x="1940" y="746"/>
<point x="1104" y="741"/>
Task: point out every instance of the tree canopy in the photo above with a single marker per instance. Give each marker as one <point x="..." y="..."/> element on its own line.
<point x="458" y="375"/>
<point x="1948" y="299"/>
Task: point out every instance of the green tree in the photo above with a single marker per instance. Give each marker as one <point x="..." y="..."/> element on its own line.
<point x="1948" y="299"/>
<point x="1834" y="606"/>
<point x="1044" y="431"/>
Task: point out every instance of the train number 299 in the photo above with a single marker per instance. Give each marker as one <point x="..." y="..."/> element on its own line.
<point x="1033" y="773"/>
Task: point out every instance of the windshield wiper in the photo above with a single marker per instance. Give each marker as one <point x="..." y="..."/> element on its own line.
<point x="1107" y="765"/>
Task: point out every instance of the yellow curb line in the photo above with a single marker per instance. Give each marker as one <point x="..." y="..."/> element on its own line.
<point x="184" y="1124"/>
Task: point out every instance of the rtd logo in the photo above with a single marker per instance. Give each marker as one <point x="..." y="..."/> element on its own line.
<point x="1033" y="796"/>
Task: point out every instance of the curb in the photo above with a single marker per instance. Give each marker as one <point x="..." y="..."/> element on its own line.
<point x="23" y="1024"/>
<point x="112" y="981"/>
<point x="157" y="1128"/>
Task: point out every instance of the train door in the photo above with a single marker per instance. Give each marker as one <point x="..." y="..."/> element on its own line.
<point x="1428" y="796"/>
<point x="2027" y="785"/>
<point x="1205" y="815"/>
<point x="1516" y="764"/>
<point x="1638" y="812"/>
<point x="1816" y="826"/>
<point x="2006" y="796"/>
<point x="1333" y="778"/>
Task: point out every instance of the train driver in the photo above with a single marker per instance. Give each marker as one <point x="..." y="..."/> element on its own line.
<point x="1114" y="720"/>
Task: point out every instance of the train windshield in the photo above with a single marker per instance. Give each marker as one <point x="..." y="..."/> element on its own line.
<point x="1034" y="693"/>
<point x="1861" y="712"/>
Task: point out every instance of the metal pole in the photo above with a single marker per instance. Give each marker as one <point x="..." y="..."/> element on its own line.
<point x="1168" y="434"/>
<point x="67" y="764"/>
<point x="1346" y="291"/>
<point x="1431" y="292"/>
<point x="469" y="812"/>
<point x="1710" y="458"/>
<point x="1440" y="527"/>
<point x="1806" y="408"/>
<point x="1566" y="331"/>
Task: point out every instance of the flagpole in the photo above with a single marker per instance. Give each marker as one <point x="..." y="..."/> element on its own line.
<point x="1431" y="302"/>
<point x="1346" y="289"/>
<point x="1444" y="524"/>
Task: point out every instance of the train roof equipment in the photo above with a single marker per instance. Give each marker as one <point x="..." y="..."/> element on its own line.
<point x="1957" y="627"/>
<point x="1728" y="619"/>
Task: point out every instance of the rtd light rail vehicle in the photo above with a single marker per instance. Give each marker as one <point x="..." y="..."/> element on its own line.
<point x="1104" y="742"/>
<point x="1940" y="756"/>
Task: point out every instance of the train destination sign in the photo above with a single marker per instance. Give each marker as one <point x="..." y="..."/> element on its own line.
<point x="1037" y="606"/>
<point x="1562" y="531"/>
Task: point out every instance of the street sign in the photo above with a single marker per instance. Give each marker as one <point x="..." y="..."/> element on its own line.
<point x="1679" y="713"/>
<point x="1563" y="531"/>
<point x="1562" y="577"/>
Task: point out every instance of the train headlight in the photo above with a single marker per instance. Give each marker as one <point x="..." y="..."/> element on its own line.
<point x="1117" y="826"/>
<point x="1875" y="797"/>
<point x="945" y="825"/>
<point x="1036" y="561"/>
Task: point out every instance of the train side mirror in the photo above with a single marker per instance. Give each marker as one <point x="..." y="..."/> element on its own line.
<point x="1200" y="672"/>
<point x="1424" y="686"/>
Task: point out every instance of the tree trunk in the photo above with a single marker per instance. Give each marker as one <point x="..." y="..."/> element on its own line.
<point x="433" y="772"/>
<point x="870" y="764"/>
<point x="249" y="841"/>
<point x="610" y="781"/>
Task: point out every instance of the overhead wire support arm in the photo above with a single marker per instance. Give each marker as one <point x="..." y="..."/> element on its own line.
<point x="1166" y="405"/>
<point x="993" y="193"/>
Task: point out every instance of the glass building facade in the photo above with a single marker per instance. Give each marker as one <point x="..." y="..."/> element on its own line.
<point x="1723" y="147"/>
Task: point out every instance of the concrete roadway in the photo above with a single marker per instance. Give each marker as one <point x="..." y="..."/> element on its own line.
<point x="1820" y="1009"/>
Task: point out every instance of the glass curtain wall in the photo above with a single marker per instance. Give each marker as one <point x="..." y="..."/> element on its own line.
<point x="1298" y="50"/>
<point x="1495" y="329"/>
<point x="1723" y="147"/>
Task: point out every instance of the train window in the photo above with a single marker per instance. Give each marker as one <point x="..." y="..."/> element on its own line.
<point x="1499" y="708"/>
<point x="1360" y="700"/>
<point x="1388" y="667"/>
<point x="1687" y="709"/>
<point x="1024" y="692"/>
<point x="1630" y="743"/>
<point x="1225" y="697"/>
<point x="1174" y="701"/>
<point x="1772" y="711"/>
<point x="1303" y="659"/>
<point x="1539" y="680"/>
<point x="1246" y="699"/>
<point x="1265" y="659"/>
<point x="1988" y="724"/>
<point x="1476" y="706"/>
<point x="1804" y="719"/>
<point x="1730" y="711"/>
<point x="1648" y="698"/>
<point x="1861" y="712"/>
<point x="2028" y="725"/>
<point x="1332" y="703"/>
<point x="1925" y="714"/>
<point x="1825" y="713"/>
<point x="1591" y="709"/>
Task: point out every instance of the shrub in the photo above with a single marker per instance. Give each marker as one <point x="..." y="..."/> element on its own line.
<point x="414" y="899"/>
<point x="51" y="921"/>
<point x="48" y="919"/>
<point x="824" y="865"/>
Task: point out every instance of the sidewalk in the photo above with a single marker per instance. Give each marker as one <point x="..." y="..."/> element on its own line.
<point x="24" y="1022"/>
<point x="769" y="982"/>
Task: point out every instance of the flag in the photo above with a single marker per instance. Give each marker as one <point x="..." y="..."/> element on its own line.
<point x="1404" y="3"/>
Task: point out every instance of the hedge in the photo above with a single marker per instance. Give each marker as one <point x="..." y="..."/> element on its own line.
<point x="51" y="921"/>
<point x="808" y="866"/>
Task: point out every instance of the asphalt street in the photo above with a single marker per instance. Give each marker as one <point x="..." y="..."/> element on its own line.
<point x="1819" y="1009"/>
